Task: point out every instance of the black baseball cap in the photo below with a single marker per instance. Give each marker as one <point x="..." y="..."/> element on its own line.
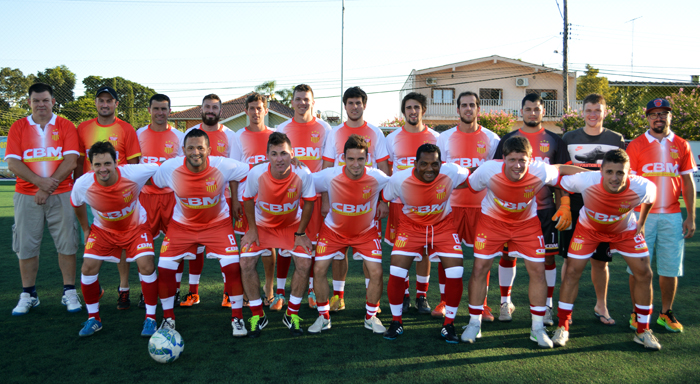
<point x="109" y="90"/>
<point x="658" y="104"/>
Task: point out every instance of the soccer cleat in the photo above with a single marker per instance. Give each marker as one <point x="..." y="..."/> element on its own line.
<point x="487" y="316"/>
<point x="422" y="305"/>
<point x="633" y="321"/>
<point x="561" y="336"/>
<point x="337" y="303"/>
<point x="395" y="329"/>
<point x="406" y="303"/>
<point x="375" y="325"/>
<point x="149" y="327"/>
<point x="278" y="302"/>
<point x="472" y="331"/>
<point x="123" y="302"/>
<point x="190" y="300"/>
<point x="239" y="327"/>
<point x="225" y="302"/>
<point x="548" y="320"/>
<point x="439" y="310"/>
<point x="321" y="324"/>
<point x="668" y="320"/>
<point x="71" y="301"/>
<point x="647" y="339"/>
<point x="293" y="322"/>
<point x="507" y="310"/>
<point x="90" y="327"/>
<point x="257" y="323"/>
<point x="142" y="302"/>
<point x="26" y="302"/>
<point x="312" y="300"/>
<point x="448" y="332"/>
<point x="540" y="336"/>
<point x="168" y="323"/>
<point x="592" y="156"/>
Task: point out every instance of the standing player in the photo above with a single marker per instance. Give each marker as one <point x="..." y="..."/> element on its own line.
<point x="549" y="148"/>
<point x="274" y="221"/>
<point x="42" y="151"/>
<point x="107" y="126"/>
<point x="608" y="199"/>
<point x="666" y="160"/>
<point x="308" y="136"/>
<point x="221" y="139"/>
<point x="587" y="146"/>
<point x="250" y="147"/>
<point x="355" y="101"/>
<point x="200" y="218"/>
<point x="402" y="145"/>
<point x="509" y="215"/>
<point x="469" y="145"/>
<point x="353" y="190"/>
<point x="120" y="225"/>
<point x="159" y="142"/>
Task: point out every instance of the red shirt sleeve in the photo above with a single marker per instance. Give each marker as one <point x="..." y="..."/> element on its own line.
<point x="132" y="147"/>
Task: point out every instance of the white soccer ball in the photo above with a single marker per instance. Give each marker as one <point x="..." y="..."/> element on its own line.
<point x="166" y="345"/>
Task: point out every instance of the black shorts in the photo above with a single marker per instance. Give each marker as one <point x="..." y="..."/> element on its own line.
<point x="549" y="232"/>
<point x="602" y="253"/>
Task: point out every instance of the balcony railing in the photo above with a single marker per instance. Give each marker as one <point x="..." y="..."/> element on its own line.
<point x="554" y="109"/>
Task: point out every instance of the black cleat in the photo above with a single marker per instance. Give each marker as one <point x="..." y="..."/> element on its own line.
<point x="422" y="305"/>
<point x="406" y="303"/>
<point x="257" y="323"/>
<point x="448" y="332"/>
<point x="395" y="329"/>
<point x="142" y="302"/>
<point x="123" y="302"/>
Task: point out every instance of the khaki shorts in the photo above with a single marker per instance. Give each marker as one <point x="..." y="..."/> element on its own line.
<point x="29" y="225"/>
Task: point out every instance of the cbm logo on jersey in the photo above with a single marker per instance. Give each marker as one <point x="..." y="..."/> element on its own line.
<point x="221" y="146"/>
<point x="424" y="210"/>
<point x="674" y="152"/>
<point x="405" y="162"/>
<point x="315" y="137"/>
<point x="210" y="185"/>
<point x="256" y="159"/>
<point x="351" y="209"/>
<point x="128" y="195"/>
<point x="510" y="207"/>
<point x="401" y="240"/>
<point x="292" y="192"/>
<point x="480" y="241"/>
<point x="529" y="192"/>
<point x="43" y="154"/>
<point x="119" y="215"/>
<point x="577" y="243"/>
<point x="625" y="207"/>
<point x="165" y="244"/>
<point x="169" y="147"/>
<point x="544" y="146"/>
<point x="602" y="218"/>
<point x="114" y="140"/>
<point x="660" y="170"/>
<point x="90" y="242"/>
<point x="54" y="134"/>
<point x="307" y="153"/>
<point x="366" y="192"/>
<point x="200" y="202"/>
<point x="321" y="245"/>
<point x="480" y="147"/>
<point x="440" y="192"/>
<point x="279" y="209"/>
<point x="468" y="163"/>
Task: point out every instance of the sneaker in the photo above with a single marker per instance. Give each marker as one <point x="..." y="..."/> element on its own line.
<point x="190" y="300"/>
<point x="257" y="323"/>
<point x="168" y="323"/>
<point x="375" y="325"/>
<point x="647" y="339"/>
<point x="507" y="310"/>
<point x="239" y="327"/>
<point x="591" y="157"/>
<point x="293" y="322"/>
<point x="540" y="336"/>
<point x="439" y="310"/>
<point x="487" y="316"/>
<point x="26" y="302"/>
<point x="395" y="329"/>
<point x="90" y="327"/>
<point x="312" y="300"/>
<point x="472" y="331"/>
<point x="149" y="327"/>
<point x="633" y="321"/>
<point x="225" y="302"/>
<point x="337" y="303"/>
<point x="406" y="303"/>
<point x="422" y="305"/>
<point x="448" y="332"/>
<point x="561" y="336"/>
<point x="321" y="324"/>
<point x="177" y="299"/>
<point x="142" y="302"/>
<point x="548" y="320"/>
<point x="668" y="320"/>
<point x="71" y="301"/>
<point x="278" y="302"/>
<point x="123" y="302"/>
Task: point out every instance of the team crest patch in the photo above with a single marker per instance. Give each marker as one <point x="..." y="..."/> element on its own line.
<point x="529" y="192"/>
<point x="221" y="146"/>
<point x="544" y="146"/>
<point x="392" y="232"/>
<point x="90" y="241"/>
<point x="401" y="240"/>
<point x="657" y="102"/>
<point x="674" y="152"/>
<point x="368" y="140"/>
<point x="366" y="192"/>
<point x="315" y="137"/>
<point x="54" y="135"/>
<point x="321" y="245"/>
<point x="164" y="245"/>
<point x="210" y="184"/>
<point x="480" y="241"/>
<point x="169" y="147"/>
<point x="625" y="207"/>
<point x="480" y="147"/>
<point x="128" y="195"/>
<point x="292" y="192"/>
<point x="239" y="224"/>
<point x="114" y="140"/>
<point x="577" y="243"/>
<point x="441" y="191"/>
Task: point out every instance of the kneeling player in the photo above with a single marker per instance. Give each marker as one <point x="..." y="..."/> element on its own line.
<point x="353" y="191"/>
<point x="120" y="224"/>
<point x="609" y="197"/>
<point x="201" y="217"/>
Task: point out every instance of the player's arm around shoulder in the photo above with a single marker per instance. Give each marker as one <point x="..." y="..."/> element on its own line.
<point x="458" y="174"/>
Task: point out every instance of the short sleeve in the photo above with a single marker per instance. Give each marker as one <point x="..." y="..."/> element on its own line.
<point x="14" y="141"/>
<point x="329" y="147"/>
<point x="234" y="170"/>
<point x="495" y="142"/>
<point x="390" y="191"/>
<point x="551" y="174"/>
<point x="235" y="151"/>
<point x="687" y="162"/>
<point x="77" y="195"/>
<point x="71" y="143"/>
<point x="133" y="150"/>
<point x="321" y="179"/>
<point x="479" y="179"/>
<point x="163" y="176"/>
<point x="380" y="154"/>
<point x="308" y="191"/>
<point x="576" y="183"/>
<point x="251" y="184"/>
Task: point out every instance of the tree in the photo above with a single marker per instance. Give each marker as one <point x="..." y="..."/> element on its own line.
<point x="591" y="83"/>
<point x="133" y="97"/>
<point x="79" y="110"/>
<point x="13" y="86"/>
<point x="63" y="82"/>
<point x="268" y="89"/>
<point x="286" y="96"/>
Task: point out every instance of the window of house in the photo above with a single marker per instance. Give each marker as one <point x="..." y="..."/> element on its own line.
<point x="545" y="94"/>
<point x="491" y="96"/>
<point x="443" y="96"/>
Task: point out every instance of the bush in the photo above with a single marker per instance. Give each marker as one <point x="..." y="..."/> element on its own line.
<point x="498" y="122"/>
<point x="686" y="114"/>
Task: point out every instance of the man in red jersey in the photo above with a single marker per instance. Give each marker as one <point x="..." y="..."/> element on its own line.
<point x="355" y="101"/>
<point x="308" y="136"/>
<point x="120" y="225"/>
<point x="42" y="151"/>
<point x="107" y="126"/>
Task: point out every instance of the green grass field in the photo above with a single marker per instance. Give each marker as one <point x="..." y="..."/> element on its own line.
<point x="43" y="346"/>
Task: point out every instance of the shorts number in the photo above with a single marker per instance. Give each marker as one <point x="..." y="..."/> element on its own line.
<point x="553" y="238"/>
<point x="454" y="235"/>
<point x="145" y="236"/>
<point x="232" y="239"/>
<point x="541" y="239"/>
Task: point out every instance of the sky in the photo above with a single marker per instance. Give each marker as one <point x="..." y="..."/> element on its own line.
<point x="187" y="49"/>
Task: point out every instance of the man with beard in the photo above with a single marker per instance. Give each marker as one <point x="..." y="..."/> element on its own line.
<point x="355" y="100"/>
<point x="550" y="149"/>
<point x="666" y="160"/>
<point x="469" y="145"/>
<point x="221" y="139"/>
<point x="122" y="136"/>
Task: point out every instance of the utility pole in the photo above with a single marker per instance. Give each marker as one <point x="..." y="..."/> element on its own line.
<point x="632" y="55"/>
<point x="342" y="45"/>
<point x="565" y="65"/>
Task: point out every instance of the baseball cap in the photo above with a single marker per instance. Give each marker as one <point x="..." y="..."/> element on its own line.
<point x="109" y="90"/>
<point x="658" y="103"/>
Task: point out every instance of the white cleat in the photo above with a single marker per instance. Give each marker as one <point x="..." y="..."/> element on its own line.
<point x="647" y="339"/>
<point x="168" y="323"/>
<point x="375" y="325"/>
<point x="321" y="324"/>
<point x="507" y="310"/>
<point x="472" y="331"/>
<point x="25" y="303"/>
<point x="540" y="336"/>
<point x="239" y="328"/>
<point x="561" y="337"/>
<point x="548" y="320"/>
<point x="71" y="301"/>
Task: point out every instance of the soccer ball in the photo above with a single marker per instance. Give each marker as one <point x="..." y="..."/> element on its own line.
<point x="166" y="345"/>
